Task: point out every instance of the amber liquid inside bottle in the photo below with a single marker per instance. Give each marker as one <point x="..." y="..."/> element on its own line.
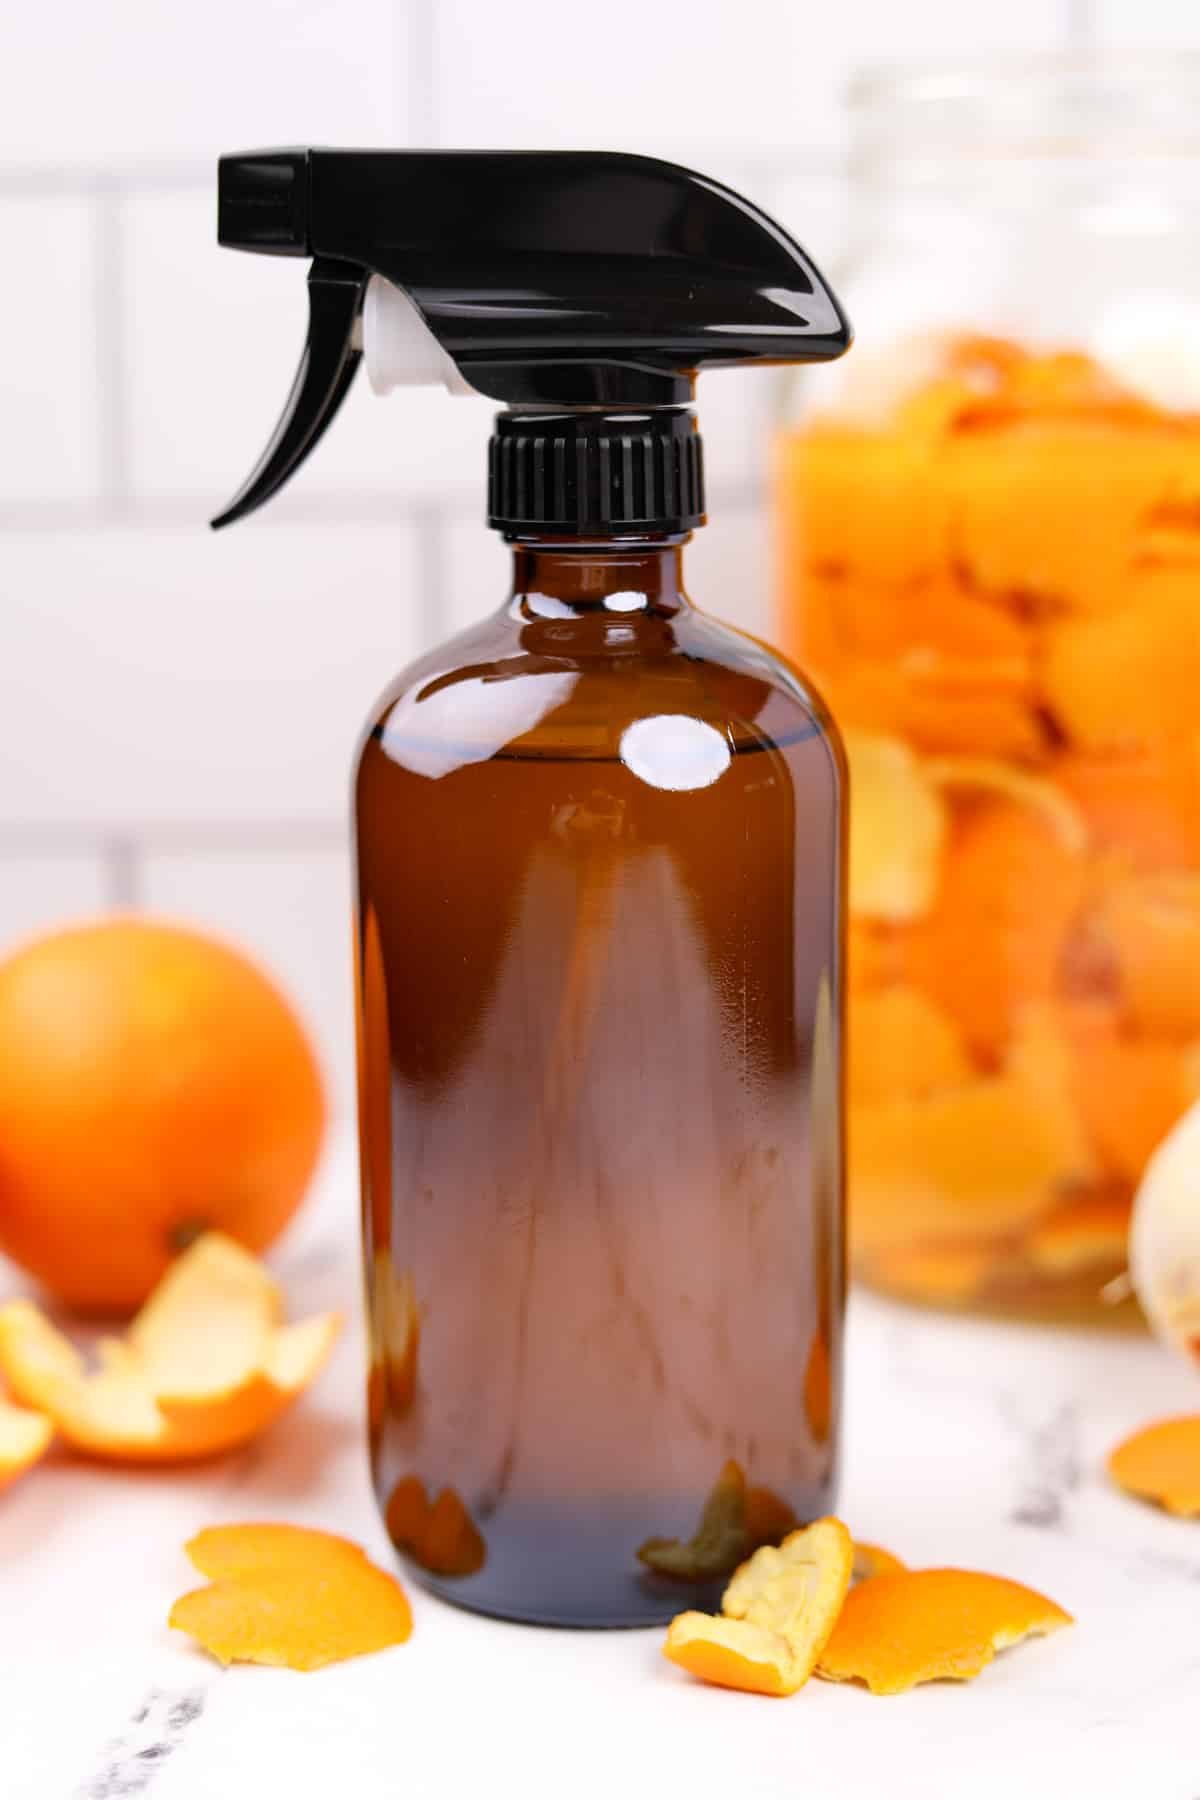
<point x="599" y="889"/>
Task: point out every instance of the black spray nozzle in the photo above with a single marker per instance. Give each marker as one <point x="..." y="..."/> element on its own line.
<point x="549" y="278"/>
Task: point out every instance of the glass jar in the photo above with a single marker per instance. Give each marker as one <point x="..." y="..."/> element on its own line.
<point x="989" y="532"/>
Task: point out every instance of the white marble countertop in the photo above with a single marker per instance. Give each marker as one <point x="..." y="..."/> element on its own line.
<point x="973" y="1443"/>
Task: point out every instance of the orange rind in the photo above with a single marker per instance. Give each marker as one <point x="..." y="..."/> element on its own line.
<point x="1162" y="1463"/>
<point x="289" y="1597"/>
<point x="987" y="775"/>
<point x="910" y="699"/>
<point x="25" y="1437"/>
<point x="902" y="1046"/>
<point x="1011" y="893"/>
<point x="204" y="1368"/>
<point x="439" y="1534"/>
<point x="1142" y="806"/>
<point x="896" y="1631"/>
<point x="1128" y="679"/>
<point x="242" y="1551"/>
<point x="776" y="1616"/>
<point x="981" y="1160"/>
<point x="822" y="475"/>
<point x="1152" y="925"/>
<point x="1088" y="1229"/>
<point x="1008" y="491"/>
<point x="720" y="1539"/>
<point x="950" y="1274"/>
<point x="873" y="1559"/>
<point x="897" y="828"/>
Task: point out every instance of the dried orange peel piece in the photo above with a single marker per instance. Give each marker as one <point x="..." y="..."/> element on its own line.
<point x="25" y="1438"/>
<point x="919" y="1625"/>
<point x="289" y="1597"/>
<point x="776" y="1617"/>
<point x="204" y="1367"/>
<point x="1162" y="1462"/>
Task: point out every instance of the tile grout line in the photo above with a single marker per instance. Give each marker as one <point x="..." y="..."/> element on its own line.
<point x="111" y="363"/>
<point x="122" y="873"/>
<point x="381" y="507"/>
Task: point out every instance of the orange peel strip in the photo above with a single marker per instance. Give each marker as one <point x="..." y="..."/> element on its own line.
<point x="919" y="1625"/>
<point x="25" y="1438"/>
<point x="148" y="1401"/>
<point x="776" y="1616"/>
<point x="1162" y="1462"/>
<point x="289" y="1597"/>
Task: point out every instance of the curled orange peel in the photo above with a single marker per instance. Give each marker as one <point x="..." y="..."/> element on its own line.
<point x="289" y="1597"/>
<point x="25" y="1438"/>
<point x="918" y="1625"/>
<point x="205" y="1365"/>
<point x="776" y="1615"/>
<point x="1162" y="1463"/>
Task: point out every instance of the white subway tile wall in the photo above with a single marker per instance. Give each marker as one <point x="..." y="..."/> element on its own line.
<point x="178" y="711"/>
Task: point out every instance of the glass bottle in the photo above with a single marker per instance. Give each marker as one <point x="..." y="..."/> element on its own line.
<point x="598" y="966"/>
<point x="989" y="534"/>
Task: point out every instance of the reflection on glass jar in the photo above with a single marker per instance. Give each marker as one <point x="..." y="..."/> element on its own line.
<point x="990" y="536"/>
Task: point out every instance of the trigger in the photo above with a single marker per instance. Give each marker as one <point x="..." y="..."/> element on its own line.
<point x="335" y="297"/>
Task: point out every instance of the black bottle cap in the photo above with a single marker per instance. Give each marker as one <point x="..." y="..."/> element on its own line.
<point x="595" y="474"/>
<point x="551" y="280"/>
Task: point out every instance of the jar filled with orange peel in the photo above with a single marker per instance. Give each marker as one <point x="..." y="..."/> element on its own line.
<point x="988" y="524"/>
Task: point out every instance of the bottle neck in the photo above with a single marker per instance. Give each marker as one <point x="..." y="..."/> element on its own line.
<point x="640" y="575"/>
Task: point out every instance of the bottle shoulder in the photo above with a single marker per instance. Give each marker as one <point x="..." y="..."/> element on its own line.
<point x="573" y="687"/>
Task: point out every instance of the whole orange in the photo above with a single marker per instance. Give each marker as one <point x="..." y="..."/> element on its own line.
<point x="153" y="1083"/>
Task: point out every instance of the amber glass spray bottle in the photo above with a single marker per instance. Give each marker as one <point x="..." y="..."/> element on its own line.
<point x="599" y="846"/>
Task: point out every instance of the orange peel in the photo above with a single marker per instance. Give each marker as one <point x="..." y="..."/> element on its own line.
<point x="916" y="1625"/>
<point x="1091" y="1228"/>
<point x="1152" y="924"/>
<point x="902" y="1046"/>
<point x="987" y="774"/>
<point x="949" y="1274"/>
<point x="1128" y="679"/>
<point x="289" y="1597"/>
<point x="916" y="1167"/>
<point x="240" y="1552"/>
<point x="439" y="1534"/>
<point x="203" y="1369"/>
<point x="25" y="1437"/>
<point x="1012" y="890"/>
<point x="776" y="1615"/>
<point x="897" y="828"/>
<point x="873" y="1559"/>
<point x="1162" y="1463"/>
